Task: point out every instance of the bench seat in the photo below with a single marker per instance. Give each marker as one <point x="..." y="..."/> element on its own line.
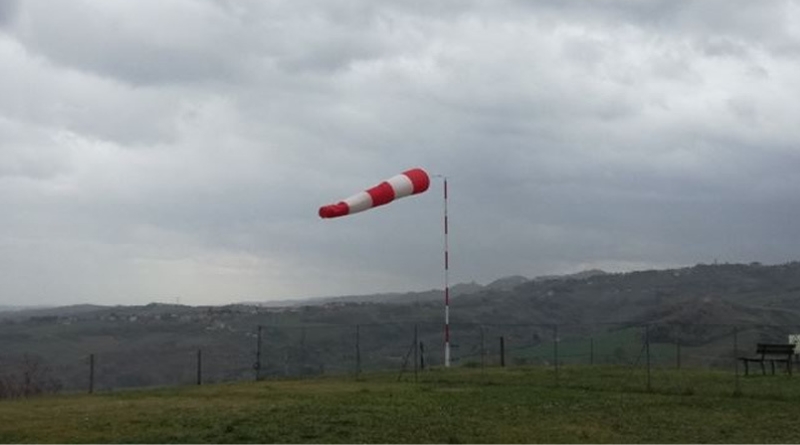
<point x="772" y="353"/>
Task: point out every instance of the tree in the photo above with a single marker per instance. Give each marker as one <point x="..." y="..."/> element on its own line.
<point x="32" y="377"/>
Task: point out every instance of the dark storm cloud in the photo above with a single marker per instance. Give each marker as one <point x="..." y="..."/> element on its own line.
<point x="182" y="148"/>
<point x="112" y="39"/>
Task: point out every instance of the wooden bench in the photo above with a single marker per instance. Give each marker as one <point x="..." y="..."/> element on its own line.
<point x="771" y="353"/>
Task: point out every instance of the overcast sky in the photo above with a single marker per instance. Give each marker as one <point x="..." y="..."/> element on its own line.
<point x="160" y="150"/>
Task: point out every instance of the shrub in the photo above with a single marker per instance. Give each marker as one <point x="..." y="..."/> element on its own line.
<point x="30" y="378"/>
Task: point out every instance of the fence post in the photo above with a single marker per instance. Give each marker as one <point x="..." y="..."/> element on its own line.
<point x="358" y="350"/>
<point x="199" y="367"/>
<point x="416" y="345"/>
<point x="502" y="352"/>
<point x="421" y="356"/>
<point x="737" y="389"/>
<point x="677" y="351"/>
<point x="591" y="350"/>
<point x="647" y="354"/>
<point x="483" y="351"/>
<point x="91" y="373"/>
<point x="258" y="355"/>
<point x="555" y="350"/>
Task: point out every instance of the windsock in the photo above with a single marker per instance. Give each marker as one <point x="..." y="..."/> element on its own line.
<point x="408" y="183"/>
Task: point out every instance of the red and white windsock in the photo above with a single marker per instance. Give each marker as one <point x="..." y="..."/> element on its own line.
<point x="408" y="183"/>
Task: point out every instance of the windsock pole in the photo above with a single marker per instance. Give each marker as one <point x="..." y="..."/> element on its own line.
<point x="446" y="282"/>
<point x="410" y="182"/>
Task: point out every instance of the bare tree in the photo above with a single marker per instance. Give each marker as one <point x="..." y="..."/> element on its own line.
<point x="32" y="377"/>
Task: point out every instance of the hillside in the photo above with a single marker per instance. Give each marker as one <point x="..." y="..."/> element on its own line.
<point x="157" y="344"/>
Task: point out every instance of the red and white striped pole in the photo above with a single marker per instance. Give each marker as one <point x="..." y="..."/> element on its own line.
<point x="446" y="282"/>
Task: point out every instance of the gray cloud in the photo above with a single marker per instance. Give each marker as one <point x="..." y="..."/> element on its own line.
<point x="8" y="11"/>
<point x="155" y="150"/>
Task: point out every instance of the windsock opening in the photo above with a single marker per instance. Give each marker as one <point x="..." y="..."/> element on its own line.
<point x="419" y="179"/>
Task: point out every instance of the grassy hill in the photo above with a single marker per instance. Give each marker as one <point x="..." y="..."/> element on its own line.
<point x="520" y="405"/>
<point x="600" y="318"/>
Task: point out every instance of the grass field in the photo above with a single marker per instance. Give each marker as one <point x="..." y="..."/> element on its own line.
<point x="512" y="405"/>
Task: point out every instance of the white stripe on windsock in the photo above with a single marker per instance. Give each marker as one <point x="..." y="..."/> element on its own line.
<point x="402" y="186"/>
<point x="359" y="202"/>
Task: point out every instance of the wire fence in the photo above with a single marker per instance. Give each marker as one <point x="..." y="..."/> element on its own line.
<point x="642" y="357"/>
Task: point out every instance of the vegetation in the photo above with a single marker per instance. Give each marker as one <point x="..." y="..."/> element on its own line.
<point x="519" y="405"/>
<point x="600" y="319"/>
<point x="28" y="378"/>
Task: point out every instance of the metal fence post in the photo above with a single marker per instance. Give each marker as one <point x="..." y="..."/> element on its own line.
<point x="647" y="354"/>
<point x="483" y="351"/>
<point x="416" y="345"/>
<point x="199" y="367"/>
<point x="737" y="388"/>
<point x="555" y="351"/>
<point x="677" y="351"/>
<point x="421" y="356"/>
<point x="302" y="351"/>
<point x="358" y="350"/>
<point x="91" y="373"/>
<point x="502" y="352"/>
<point x="258" y="355"/>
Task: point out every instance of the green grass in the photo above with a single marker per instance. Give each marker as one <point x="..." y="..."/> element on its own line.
<point x="609" y="347"/>
<point x="526" y="404"/>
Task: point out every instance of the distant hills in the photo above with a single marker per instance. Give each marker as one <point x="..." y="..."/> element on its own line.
<point x="460" y="289"/>
<point x="32" y="311"/>
<point x="726" y="293"/>
<point x="155" y="344"/>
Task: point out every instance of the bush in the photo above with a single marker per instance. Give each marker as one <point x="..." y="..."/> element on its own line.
<point x="30" y="378"/>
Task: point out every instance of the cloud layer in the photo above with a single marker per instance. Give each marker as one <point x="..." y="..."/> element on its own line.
<point x="178" y="149"/>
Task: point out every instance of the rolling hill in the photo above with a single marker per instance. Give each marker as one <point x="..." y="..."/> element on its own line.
<point x="157" y="344"/>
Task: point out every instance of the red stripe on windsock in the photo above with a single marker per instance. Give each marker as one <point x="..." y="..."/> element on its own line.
<point x="334" y="210"/>
<point x="381" y="194"/>
<point x="419" y="179"/>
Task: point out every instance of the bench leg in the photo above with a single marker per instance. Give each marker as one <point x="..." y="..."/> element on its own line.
<point x="772" y="366"/>
<point x="763" y="371"/>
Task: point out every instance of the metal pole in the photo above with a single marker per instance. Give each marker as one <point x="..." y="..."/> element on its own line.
<point x="446" y="282"/>
<point x="258" y="355"/>
<point x="738" y="389"/>
<point x="502" y="352"/>
<point x="358" y="350"/>
<point x="302" y="350"/>
<point x="91" y="373"/>
<point x="647" y="353"/>
<point x="483" y="351"/>
<point x="421" y="356"/>
<point x="416" y="345"/>
<point x="199" y="367"/>
<point x="555" y="350"/>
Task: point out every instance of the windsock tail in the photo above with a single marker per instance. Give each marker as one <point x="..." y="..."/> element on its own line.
<point x="334" y="210"/>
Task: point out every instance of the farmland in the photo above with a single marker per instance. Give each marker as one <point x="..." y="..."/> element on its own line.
<point x="581" y="404"/>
